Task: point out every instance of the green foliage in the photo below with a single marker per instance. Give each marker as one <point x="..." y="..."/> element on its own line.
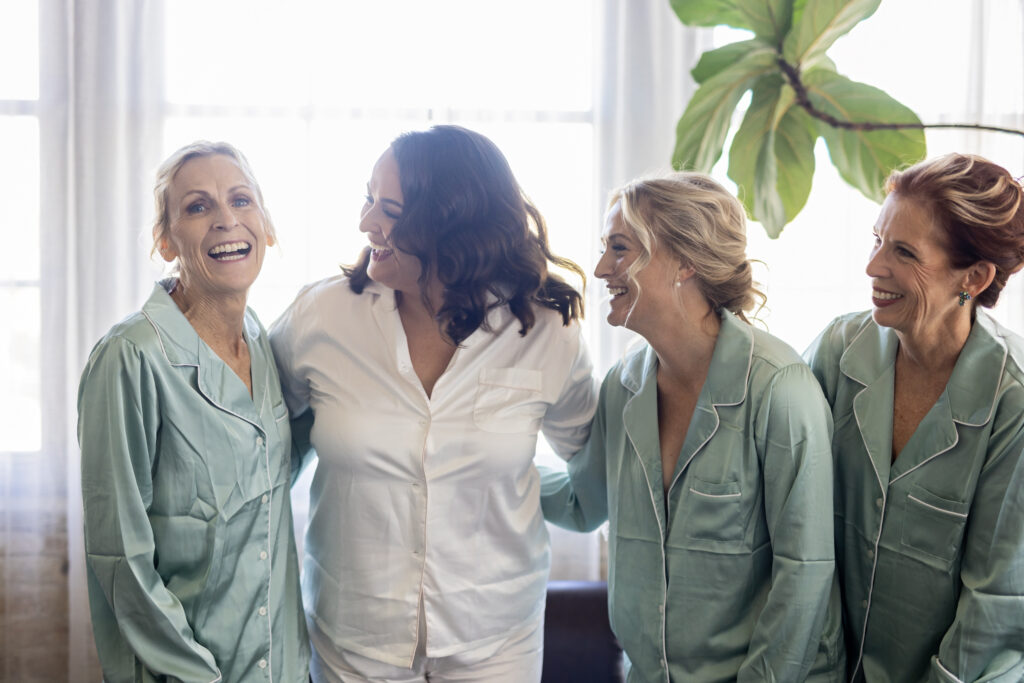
<point x="785" y="65"/>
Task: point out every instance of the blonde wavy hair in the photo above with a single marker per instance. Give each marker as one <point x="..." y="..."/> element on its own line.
<point x="703" y="225"/>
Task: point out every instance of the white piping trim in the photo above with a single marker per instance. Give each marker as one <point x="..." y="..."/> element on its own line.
<point x="932" y="457"/>
<point x="270" y="552"/>
<point x="946" y="671"/>
<point x="914" y="498"/>
<point x="159" y="336"/>
<point x="715" y="495"/>
<point x="871" y="589"/>
<point x="661" y="548"/>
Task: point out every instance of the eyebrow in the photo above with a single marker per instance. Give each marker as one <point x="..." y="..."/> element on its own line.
<point x="231" y="190"/>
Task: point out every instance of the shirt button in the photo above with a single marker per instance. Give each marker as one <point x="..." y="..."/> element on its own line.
<point x="871" y="553"/>
<point x="265" y="499"/>
<point x="878" y="502"/>
<point x="263" y="611"/>
<point x="661" y="609"/>
<point x="262" y="664"/>
<point x="263" y="554"/>
<point x="259" y="441"/>
<point x="864" y="604"/>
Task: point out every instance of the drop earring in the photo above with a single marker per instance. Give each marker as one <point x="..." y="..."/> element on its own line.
<point x="965" y="296"/>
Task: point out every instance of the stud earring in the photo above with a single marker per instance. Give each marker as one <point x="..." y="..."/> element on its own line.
<point x="678" y="283"/>
<point x="965" y="296"/>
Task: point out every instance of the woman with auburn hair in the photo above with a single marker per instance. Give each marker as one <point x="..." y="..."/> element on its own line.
<point x="927" y="394"/>
<point x="709" y="457"/>
<point x="428" y="370"/>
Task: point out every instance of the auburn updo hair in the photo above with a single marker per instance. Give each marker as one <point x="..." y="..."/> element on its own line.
<point x="979" y="208"/>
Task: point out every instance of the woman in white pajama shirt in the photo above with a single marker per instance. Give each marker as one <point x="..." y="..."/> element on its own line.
<point x="428" y="369"/>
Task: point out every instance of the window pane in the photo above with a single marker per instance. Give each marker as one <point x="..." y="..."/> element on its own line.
<point x="395" y="53"/>
<point x="533" y="54"/>
<point x="19" y="197"/>
<point x="19" y="46"/>
<point x="236" y="53"/>
<point x="20" y="367"/>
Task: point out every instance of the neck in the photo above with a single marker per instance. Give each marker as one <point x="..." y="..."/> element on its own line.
<point x="219" y="321"/>
<point x="935" y="349"/>
<point x="412" y="303"/>
<point x="684" y="343"/>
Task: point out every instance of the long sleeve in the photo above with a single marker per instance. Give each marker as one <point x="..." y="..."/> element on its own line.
<point x="797" y="470"/>
<point x="986" y="639"/>
<point x="577" y="499"/>
<point x="118" y="427"/>
<point x="567" y="421"/>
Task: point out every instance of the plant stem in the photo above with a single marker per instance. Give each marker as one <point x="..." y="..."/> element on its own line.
<point x="792" y="75"/>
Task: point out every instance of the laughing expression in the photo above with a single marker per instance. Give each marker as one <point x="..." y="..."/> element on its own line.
<point x="218" y="231"/>
<point x="391" y="267"/>
<point x="913" y="285"/>
<point x="638" y="301"/>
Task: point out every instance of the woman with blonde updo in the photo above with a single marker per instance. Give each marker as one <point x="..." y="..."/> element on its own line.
<point x="709" y="456"/>
<point x="927" y="394"/>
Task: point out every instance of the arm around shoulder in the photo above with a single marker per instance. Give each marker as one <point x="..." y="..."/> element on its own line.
<point x="577" y="499"/>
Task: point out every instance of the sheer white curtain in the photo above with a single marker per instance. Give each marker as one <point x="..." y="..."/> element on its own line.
<point x="100" y="123"/>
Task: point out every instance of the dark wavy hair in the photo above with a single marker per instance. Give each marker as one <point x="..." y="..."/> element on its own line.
<point x="466" y="219"/>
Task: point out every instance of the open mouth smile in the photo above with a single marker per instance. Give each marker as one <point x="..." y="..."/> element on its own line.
<point x="881" y="298"/>
<point x="231" y="251"/>
<point x="379" y="252"/>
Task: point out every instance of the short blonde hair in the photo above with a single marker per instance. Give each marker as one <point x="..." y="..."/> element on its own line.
<point x="165" y="176"/>
<point x="702" y="224"/>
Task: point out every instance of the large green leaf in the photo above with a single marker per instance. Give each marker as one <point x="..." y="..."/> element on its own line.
<point x="772" y="155"/>
<point x="719" y="59"/>
<point x="768" y="19"/>
<point x="818" y="23"/>
<point x="704" y="125"/>
<point x="864" y="158"/>
<point x="711" y="13"/>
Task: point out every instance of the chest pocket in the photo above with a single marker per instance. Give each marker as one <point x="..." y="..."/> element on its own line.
<point x="508" y="400"/>
<point x="933" y="527"/>
<point x="713" y="515"/>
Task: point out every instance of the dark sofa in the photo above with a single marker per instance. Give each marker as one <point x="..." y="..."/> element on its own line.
<point x="579" y="646"/>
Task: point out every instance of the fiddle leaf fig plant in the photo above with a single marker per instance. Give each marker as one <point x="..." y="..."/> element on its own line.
<point x="797" y="96"/>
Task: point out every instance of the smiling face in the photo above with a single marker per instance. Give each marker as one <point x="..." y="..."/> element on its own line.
<point x="914" y="286"/>
<point x="389" y="266"/>
<point x="638" y="301"/>
<point x="216" y="227"/>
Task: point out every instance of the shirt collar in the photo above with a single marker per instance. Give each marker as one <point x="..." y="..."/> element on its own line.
<point x="178" y="339"/>
<point x="726" y="382"/>
<point x="974" y="384"/>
